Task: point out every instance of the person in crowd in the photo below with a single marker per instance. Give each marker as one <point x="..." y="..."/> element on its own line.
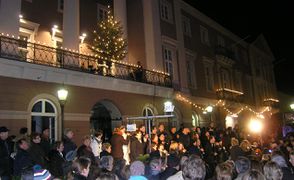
<point x="162" y="141"/>
<point x="138" y="146"/>
<point x="179" y="174"/>
<point x="46" y="142"/>
<point x="281" y="162"/>
<point x="246" y="148"/>
<point x="182" y="149"/>
<point x="196" y="148"/>
<point x="205" y="136"/>
<point x="5" y="151"/>
<point x="154" y="130"/>
<point x="253" y="175"/>
<point x="117" y="142"/>
<point x="194" y="168"/>
<point x="119" y="169"/>
<point x="224" y="171"/>
<point x="80" y="168"/>
<point x="184" y="137"/>
<point x="272" y="171"/>
<point x="106" y="150"/>
<point x="56" y="160"/>
<point x="23" y="133"/>
<point x="96" y="144"/>
<point x="154" y="151"/>
<point x="22" y="159"/>
<point x="106" y="163"/>
<point x="211" y="154"/>
<point x="173" y="162"/>
<point x="154" y="169"/>
<point x="137" y="170"/>
<point x="174" y="148"/>
<point x="235" y="150"/>
<point x="68" y="143"/>
<point x="106" y="176"/>
<point x="161" y="130"/>
<point x="36" y="151"/>
<point x="174" y="134"/>
<point x="243" y="165"/>
<point x="85" y="150"/>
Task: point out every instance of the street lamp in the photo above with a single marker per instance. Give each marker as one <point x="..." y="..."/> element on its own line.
<point x="209" y="109"/>
<point x="292" y="106"/>
<point x="62" y="95"/>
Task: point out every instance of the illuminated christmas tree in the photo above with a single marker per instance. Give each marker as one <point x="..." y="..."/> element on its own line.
<point x="109" y="43"/>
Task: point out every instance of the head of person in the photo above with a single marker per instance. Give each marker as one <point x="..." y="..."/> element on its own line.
<point x="272" y="171"/>
<point x="138" y="134"/>
<point x="58" y="146"/>
<point x="154" y="138"/>
<point x="212" y="139"/>
<point x="173" y="130"/>
<point x="142" y="128"/>
<point x="46" y="132"/>
<point x="242" y="164"/>
<point x="82" y="166"/>
<point x="234" y="142"/>
<point x="162" y="137"/>
<point x="245" y="146"/>
<point x="280" y="160"/>
<point x="86" y="140"/>
<point x="3" y="133"/>
<point x="23" y="131"/>
<point x="98" y="134"/>
<point x="36" y="138"/>
<point x="137" y="168"/>
<point x="106" y="162"/>
<point x="161" y="128"/>
<point x="68" y="133"/>
<point x="106" y="147"/>
<point x="174" y="147"/>
<point x="22" y="144"/>
<point x="253" y="175"/>
<point x="122" y="129"/>
<point x="224" y="171"/>
<point x="194" y="168"/>
<point x="154" y="130"/>
<point x="155" y="166"/>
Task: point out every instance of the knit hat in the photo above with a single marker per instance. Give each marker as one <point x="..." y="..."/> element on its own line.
<point x="137" y="168"/>
<point x="42" y="174"/>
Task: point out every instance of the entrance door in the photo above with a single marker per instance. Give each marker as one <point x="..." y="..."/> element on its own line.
<point x="101" y="120"/>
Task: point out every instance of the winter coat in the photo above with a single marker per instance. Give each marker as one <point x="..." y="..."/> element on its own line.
<point x="22" y="160"/>
<point x="56" y="162"/>
<point x="5" y="160"/>
<point x="117" y="142"/>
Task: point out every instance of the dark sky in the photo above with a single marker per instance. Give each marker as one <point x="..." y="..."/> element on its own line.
<point x="274" y="19"/>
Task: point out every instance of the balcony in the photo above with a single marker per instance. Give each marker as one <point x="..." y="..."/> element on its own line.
<point x="219" y="50"/>
<point x="35" y="53"/>
<point x="229" y="94"/>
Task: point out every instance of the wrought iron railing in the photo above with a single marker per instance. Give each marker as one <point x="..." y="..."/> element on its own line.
<point x="21" y="50"/>
<point x="219" y="50"/>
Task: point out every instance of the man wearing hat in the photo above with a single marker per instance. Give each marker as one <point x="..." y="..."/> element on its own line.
<point x="5" y="151"/>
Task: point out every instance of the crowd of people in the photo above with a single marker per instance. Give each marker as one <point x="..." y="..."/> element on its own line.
<point x="174" y="154"/>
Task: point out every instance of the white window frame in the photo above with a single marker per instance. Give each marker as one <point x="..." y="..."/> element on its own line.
<point x="43" y="113"/>
<point x="221" y="41"/>
<point x="60" y="6"/>
<point x="204" y="35"/>
<point x="146" y="109"/>
<point x="186" y="25"/>
<point x="191" y="73"/>
<point x="104" y="10"/>
<point x="208" y="73"/>
<point x="168" y="58"/>
<point x="166" y="12"/>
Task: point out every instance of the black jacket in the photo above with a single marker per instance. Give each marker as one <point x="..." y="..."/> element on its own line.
<point x="5" y="160"/>
<point x="69" y="145"/>
<point x="137" y="148"/>
<point x="38" y="155"/>
<point x="22" y="161"/>
<point x="56" y="162"/>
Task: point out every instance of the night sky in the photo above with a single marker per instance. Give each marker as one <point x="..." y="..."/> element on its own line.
<point x="273" y="19"/>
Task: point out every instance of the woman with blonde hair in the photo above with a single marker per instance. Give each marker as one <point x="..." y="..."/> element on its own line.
<point x="246" y="147"/>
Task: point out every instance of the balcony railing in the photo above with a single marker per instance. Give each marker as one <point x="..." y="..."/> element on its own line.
<point x="229" y="94"/>
<point x="16" y="49"/>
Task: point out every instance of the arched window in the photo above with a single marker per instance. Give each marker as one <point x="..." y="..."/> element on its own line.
<point x="147" y="111"/>
<point x="44" y="115"/>
<point x="195" y="120"/>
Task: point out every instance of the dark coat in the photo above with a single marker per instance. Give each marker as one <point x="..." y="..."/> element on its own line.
<point x="235" y="152"/>
<point x="104" y="153"/>
<point x="22" y="160"/>
<point x="38" y="155"/>
<point x="169" y="171"/>
<point x="5" y="160"/>
<point x="137" y="148"/>
<point x="86" y="152"/>
<point x="56" y="162"/>
<point x="117" y="141"/>
<point x="69" y="145"/>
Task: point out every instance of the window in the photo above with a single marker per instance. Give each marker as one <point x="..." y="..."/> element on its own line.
<point x="220" y="41"/>
<point x="166" y="11"/>
<point x="168" y="60"/>
<point x="147" y="111"/>
<point x="43" y="115"/>
<point x="225" y="78"/>
<point x="60" y="6"/>
<point x="209" y="77"/>
<point x="191" y="73"/>
<point x="186" y="26"/>
<point x="204" y="35"/>
<point x="101" y="12"/>
<point x="238" y="82"/>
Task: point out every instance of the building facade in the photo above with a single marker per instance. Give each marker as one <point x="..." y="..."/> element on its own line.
<point x="188" y="58"/>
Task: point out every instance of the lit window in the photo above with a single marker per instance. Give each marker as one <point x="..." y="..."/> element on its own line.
<point x="168" y="60"/>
